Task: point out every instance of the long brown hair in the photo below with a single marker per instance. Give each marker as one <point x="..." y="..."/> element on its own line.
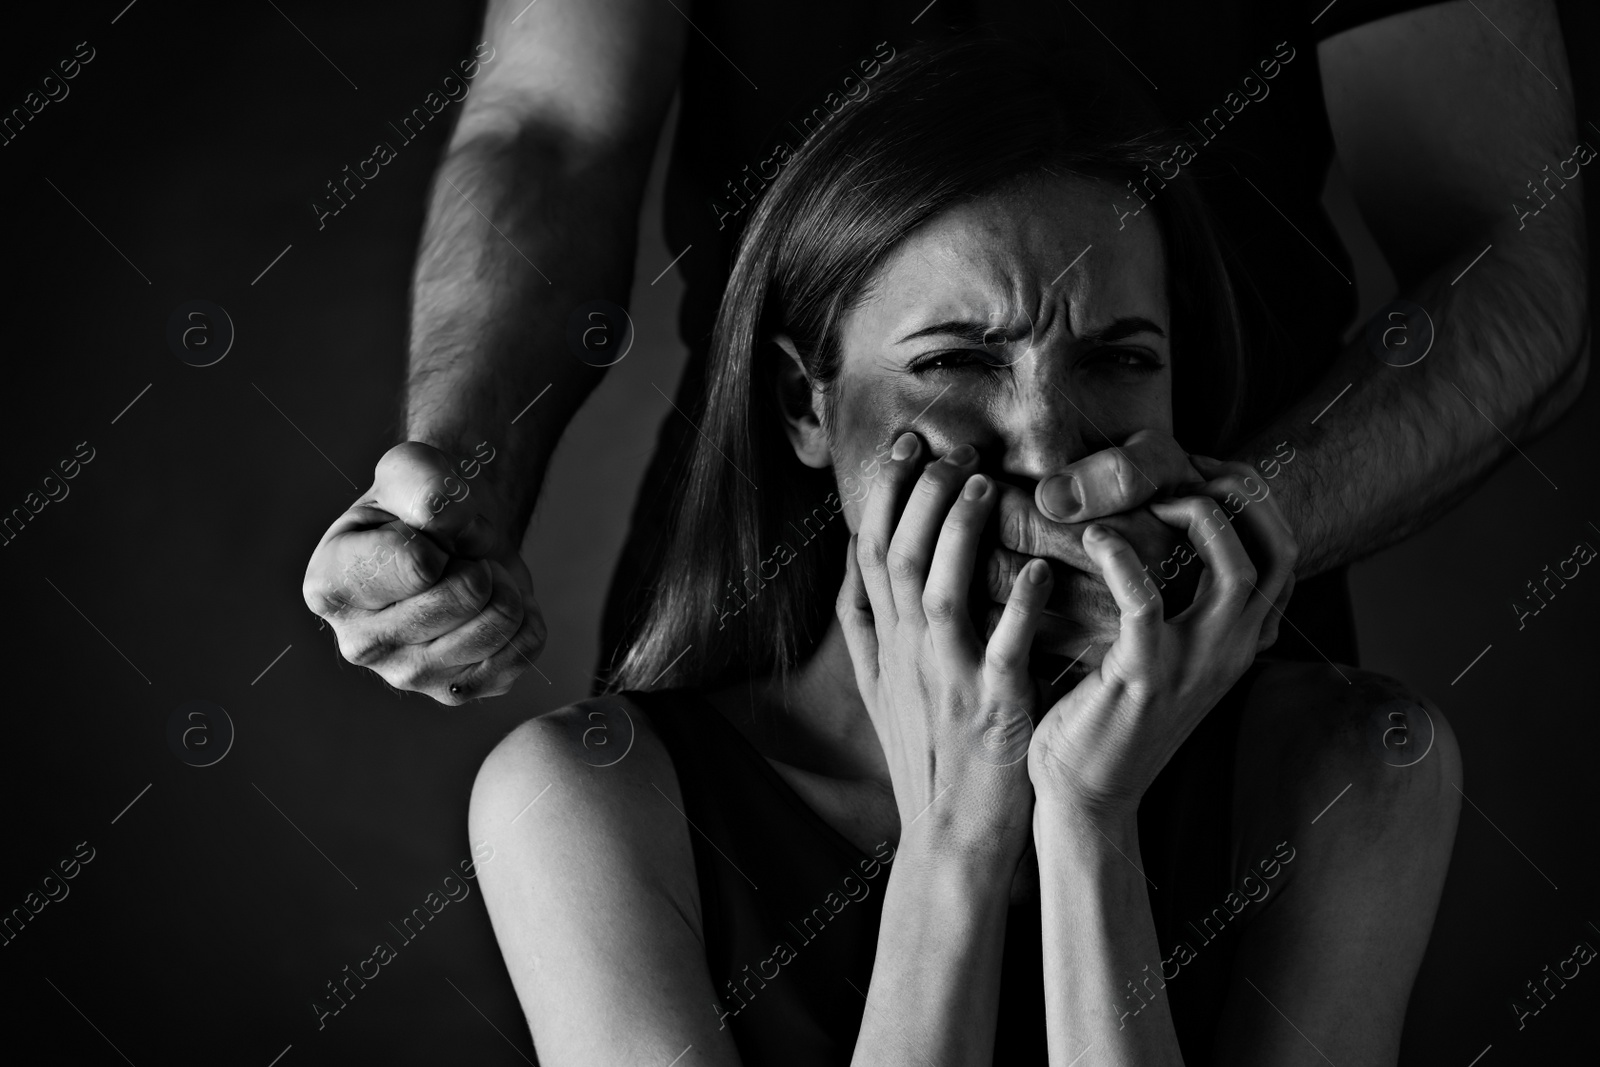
<point x="945" y="124"/>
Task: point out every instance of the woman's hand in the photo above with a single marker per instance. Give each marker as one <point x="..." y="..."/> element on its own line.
<point x="952" y="715"/>
<point x="1099" y="748"/>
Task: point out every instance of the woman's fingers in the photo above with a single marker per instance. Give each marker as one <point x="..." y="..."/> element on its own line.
<point x="1229" y="580"/>
<point x="918" y="533"/>
<point x="1263" y="559"/>
<point x="1269" y="625"/>
<point x="1137" y="597"/>
<point x="949" y="586"/>
<point x="879" y="515"/>
<point x="1272" y="543"/>
<point x="1006" y="655"/>
<point x="854" y="609"/>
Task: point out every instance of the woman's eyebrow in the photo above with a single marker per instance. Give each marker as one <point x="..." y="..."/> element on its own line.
<point x="1124" y="328"/>
<point x="965" y="329"/>
<point x="977" y="332"/>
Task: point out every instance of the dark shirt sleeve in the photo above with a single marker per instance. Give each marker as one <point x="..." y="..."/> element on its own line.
<point x="1341" y="15"/>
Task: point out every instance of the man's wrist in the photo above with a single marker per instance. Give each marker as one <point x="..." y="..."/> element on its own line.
<point x="1281" y="464"/>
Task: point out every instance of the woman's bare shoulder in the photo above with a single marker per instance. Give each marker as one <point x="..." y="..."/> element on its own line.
<point x="592" y="779"/>
<point x="582" y="809"/>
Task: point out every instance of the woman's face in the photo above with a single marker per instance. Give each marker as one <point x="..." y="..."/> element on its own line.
<point x="1027" y="324"/>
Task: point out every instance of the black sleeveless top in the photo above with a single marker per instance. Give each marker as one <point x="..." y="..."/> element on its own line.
<point x="791" y="908"/>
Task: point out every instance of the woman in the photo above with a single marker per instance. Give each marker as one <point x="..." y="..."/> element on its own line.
<point x="870" y="788"/>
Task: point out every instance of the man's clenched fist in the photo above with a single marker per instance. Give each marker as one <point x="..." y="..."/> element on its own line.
<point x="420" y="586"/>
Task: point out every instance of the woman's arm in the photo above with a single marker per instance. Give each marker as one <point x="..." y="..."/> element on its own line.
<point x="1102" y="979"/>
<point x="936" y="976"/>
<point x="952" y="716"/>
<point x="593" y="896"/>
<point x="596" y="907"/>
<point x="1324" y="969"/>
<point x="1099" y="748"/>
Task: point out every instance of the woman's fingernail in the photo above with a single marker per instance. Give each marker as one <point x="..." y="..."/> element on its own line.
<point x="975" y="487"/>
<point x="961" y="455"/>
<point x="1094" y="532"/>
<point x="1059" y="495"/>
<point x="904" y="446"/>
<point x="1038" y="572"/>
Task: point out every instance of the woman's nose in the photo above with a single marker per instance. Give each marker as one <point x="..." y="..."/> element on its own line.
<point x="1043" y="426"/>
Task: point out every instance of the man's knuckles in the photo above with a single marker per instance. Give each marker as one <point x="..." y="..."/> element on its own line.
<point x="462" y="591"/>
<point x="402" y="564"/>
<point x="490" y="630"/>
<point x="363" y="646"/>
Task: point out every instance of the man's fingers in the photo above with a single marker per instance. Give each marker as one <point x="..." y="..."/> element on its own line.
<point x="487" y="630"/>
<point x="484" y="648"/>
<point x="1148" y="464"/>
<point x="1002" y="568"/>
<point x="493" y="677"/>
<point x="372" y="568"/>
<point x="462" y="593"/>
<point x="1027" y="531"/>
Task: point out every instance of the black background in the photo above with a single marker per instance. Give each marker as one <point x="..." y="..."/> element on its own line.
<point x="194" y="143"/>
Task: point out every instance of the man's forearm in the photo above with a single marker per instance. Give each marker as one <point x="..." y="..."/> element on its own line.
<point x="1404" y="444"/>
<point x="522" y="228"/>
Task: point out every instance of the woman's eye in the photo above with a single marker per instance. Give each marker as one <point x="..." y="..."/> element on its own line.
<point x="959" y="359"/>
<point x="1129" y="358"/>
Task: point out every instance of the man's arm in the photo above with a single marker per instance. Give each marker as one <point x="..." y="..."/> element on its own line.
<point x="1441" y="123"/>
<point x="534" y="211"/>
